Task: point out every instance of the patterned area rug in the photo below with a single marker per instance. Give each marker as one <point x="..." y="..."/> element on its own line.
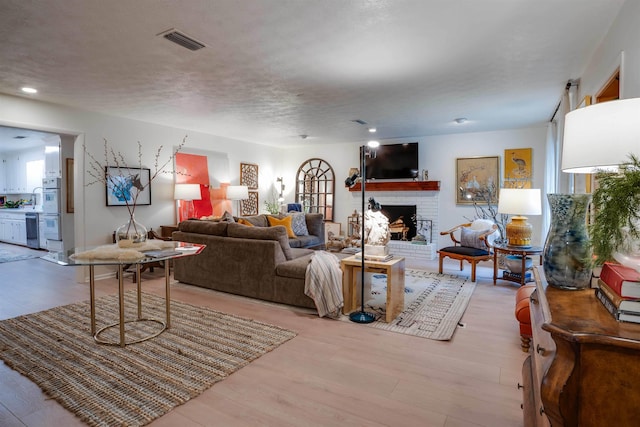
<point x="8" y="256"/>
<point x="112" y="386"/>
<point x="433" y="304"/>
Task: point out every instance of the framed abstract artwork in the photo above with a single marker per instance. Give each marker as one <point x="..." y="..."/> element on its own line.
<point x="250" y="205"/>
<point x="475" y="177"/>
<point x="128" y="186"/>
<point x="249" y="175"/>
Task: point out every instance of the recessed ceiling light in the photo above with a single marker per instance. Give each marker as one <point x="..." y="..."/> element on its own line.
<point x="373" y="144"/>
<point x="460" y="120"/>
<point x="372" y="130"/>
<point x="29" y="90"/>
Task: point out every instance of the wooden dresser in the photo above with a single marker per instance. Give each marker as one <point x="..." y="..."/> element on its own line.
<point x="585" y="366"/>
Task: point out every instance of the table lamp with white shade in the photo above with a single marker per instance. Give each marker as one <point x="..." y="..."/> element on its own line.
<point x="519" y="202"/>
<point x="187" y="193"/>
<point x="598" y="138"/>
<point x="237" y="192"/>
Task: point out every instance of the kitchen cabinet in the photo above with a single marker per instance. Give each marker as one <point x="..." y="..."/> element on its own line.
<point x="3" y="178"/>
<point x="52" y="163"/>
<point x="41" y="227"/>
<point x="16" y="174"/>
<point x="13" y="228"/>
<point x="22" y="171"/>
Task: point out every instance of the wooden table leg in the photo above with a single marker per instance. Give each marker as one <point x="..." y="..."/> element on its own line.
<point x="395" y="291"/>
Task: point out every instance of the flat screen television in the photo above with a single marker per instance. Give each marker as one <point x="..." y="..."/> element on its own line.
<point x="394" y="161"/>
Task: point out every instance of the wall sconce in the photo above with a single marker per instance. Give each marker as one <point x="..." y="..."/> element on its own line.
<point x="281" y="197"/>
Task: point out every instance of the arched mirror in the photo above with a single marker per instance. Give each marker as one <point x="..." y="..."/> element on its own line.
<point x="315" y="184"/>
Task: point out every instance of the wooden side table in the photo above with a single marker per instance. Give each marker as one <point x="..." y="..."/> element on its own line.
<point x="394" y="269"/>
<point x="515" y="250"/>
<point x="167" y="230"/>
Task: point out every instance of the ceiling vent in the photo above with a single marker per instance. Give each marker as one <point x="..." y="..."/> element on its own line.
<point x="182" y="39"/>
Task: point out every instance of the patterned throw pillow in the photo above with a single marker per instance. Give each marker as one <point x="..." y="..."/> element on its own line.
<point x="470" y="238"/>
<point x="299" y="223"/>
<point x="286" y="222"/>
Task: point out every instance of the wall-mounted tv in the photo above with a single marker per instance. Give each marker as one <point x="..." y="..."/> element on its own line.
<point x="394" y="161"/>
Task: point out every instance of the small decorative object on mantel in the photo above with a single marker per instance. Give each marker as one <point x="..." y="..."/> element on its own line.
<point x="127" y="186"/>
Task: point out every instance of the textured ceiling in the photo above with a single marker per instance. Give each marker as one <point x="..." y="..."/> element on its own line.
<point x="275" y="69"/>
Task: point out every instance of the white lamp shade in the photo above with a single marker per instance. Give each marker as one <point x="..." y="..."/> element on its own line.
<point x="520" y="201"/>
<point x="601" y="136"/>
<point x="187" y="192"/>
<point x="237" y="192"/>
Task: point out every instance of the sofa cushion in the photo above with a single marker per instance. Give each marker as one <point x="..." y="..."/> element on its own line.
<point x="285" y="222"/>
<point x="204" y="227"/>
<point x="304" y="241"/>
<point x="295" y="268"/>
<point x="257" y="220"/>
<point x="277" y="233"/>
<point x="465" y="250"/>
<point x="299" y="223"/>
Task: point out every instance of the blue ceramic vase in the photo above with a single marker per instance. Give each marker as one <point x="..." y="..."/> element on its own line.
<point x="567" y="252"/>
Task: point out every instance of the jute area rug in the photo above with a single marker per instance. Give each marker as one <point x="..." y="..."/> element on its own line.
<point x="433" y="304"/>
<point x="112" y="386"/>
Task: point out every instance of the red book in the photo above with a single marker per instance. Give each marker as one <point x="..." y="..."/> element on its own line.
<point x="624" y="281"/>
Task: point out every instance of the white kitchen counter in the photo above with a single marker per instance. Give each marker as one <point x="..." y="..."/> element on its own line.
<point x="29" y="209"/>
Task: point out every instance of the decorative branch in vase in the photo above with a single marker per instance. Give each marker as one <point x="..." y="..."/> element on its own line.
<point x="126" y="185"/>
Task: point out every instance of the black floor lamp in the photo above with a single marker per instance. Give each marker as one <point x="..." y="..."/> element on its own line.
<point x="365" y="151"/>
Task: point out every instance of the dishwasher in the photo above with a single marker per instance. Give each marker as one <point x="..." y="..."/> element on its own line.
<point x="33" y="237"/>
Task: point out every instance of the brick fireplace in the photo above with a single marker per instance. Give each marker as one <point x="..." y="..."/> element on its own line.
<point x="426" y="203"/>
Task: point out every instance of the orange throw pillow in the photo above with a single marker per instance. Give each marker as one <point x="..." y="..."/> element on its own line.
<point x="244" y="222"/>
<point x="286" y="222"/>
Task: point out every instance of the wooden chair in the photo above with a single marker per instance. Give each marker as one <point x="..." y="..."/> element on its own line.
<point x="477" y="245"/>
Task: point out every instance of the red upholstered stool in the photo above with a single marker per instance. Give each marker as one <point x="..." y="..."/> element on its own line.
<point x="522" y="314"/>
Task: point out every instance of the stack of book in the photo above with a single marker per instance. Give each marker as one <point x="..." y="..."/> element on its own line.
<point x="619" y="292"/>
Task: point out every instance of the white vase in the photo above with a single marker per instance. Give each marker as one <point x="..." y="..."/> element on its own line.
<point x="130" y="233"/>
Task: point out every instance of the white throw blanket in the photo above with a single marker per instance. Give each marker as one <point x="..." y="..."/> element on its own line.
<point x="323" y="283"/>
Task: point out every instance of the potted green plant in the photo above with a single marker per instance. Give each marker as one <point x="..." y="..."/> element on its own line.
<point x="616" y="203"/>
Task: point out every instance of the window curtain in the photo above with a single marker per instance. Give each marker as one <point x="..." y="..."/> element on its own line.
<point x="556" y="181"/>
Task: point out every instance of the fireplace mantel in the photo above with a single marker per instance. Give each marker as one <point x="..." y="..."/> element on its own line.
<point x="399" y="186"/>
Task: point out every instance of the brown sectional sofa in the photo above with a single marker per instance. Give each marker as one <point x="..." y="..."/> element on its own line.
<point x="256" y="262"/>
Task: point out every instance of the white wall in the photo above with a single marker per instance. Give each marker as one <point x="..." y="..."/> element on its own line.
<point x="438" y="155"/>
<point x="624" y="36"/>
<point x="95" y="222"/>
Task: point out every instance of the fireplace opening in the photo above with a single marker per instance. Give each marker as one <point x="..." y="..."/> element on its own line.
<point x="401" y="221"/>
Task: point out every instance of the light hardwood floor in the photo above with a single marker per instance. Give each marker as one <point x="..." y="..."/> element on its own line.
<point x="332" y="374"/>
